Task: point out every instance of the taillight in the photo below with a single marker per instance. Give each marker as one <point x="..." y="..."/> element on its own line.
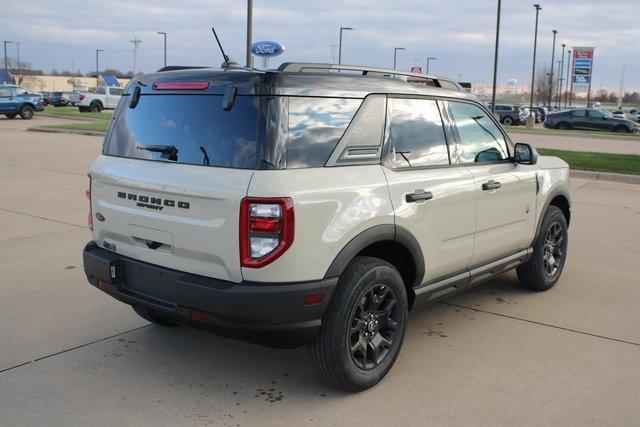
<point x="81" y="97"/>
<point x="87" y="193"/>
<point x="266" y="229"/>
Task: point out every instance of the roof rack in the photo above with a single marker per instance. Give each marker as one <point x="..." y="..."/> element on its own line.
<point x="300" y="67"/>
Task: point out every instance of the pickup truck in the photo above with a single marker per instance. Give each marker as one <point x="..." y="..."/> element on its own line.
<point x="104" y="98"/>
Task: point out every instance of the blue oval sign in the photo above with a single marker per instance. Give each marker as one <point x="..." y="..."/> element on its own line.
<point x="267" y="48"/>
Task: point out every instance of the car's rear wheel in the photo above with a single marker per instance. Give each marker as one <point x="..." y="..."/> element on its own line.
<point x="95" y="107"/>
<point x="544" y="268"/>
<point x="26" y="112"/>
<point x="11" y="116"/>
<point x="621" y="129"/>
<point x="363" y="327"/>
<point x="563" y="126"/>
<point x="507" y="121"/>
<point x="153" y="318"/>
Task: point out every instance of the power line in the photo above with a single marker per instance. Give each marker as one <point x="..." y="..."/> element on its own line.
<point x="135" y="42"/>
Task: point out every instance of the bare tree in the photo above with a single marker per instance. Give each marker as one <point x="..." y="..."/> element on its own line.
<point x="542" y="86"/>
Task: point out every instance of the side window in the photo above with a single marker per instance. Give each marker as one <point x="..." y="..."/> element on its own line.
<point x="596" y="114"/>
<point x="100" y="90"/>
<point x="20" y="91"/>
<point x="115" y="91"/>
<point x="480" y="139"/>
<point x="579" y="113"/>
<point x="5" y="92"/>
<point x="315" y="127"/>
<point x="416" y="135"/>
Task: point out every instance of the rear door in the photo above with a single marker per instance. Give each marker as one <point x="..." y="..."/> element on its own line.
<point x="7" y="103"/>
<point x="431" y="199"/>
<point x="505" y="191"/>
<point x="113" y="97"/>
<point x="169" y="185"/>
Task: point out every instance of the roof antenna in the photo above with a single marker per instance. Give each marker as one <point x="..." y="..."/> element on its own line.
<point x="229" y="62"/>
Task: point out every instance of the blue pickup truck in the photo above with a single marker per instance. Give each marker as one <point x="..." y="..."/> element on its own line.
<point x="16" y="100"/>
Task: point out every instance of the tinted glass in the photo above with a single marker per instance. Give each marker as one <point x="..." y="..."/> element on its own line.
<point x="20" y="91"/>
<point x="5" y="91"/>
<point x="315" y="127"/>
<point x="115" y="91"/>
<point x="101" y="90"/>
<point x="579" y="113"/>
<point x="480" y="139"/>
<point x="598" y="114"/>
<point x="416" y="134"/>
<point x="196" y="125"/>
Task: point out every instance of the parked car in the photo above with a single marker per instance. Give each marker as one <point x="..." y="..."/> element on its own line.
<point x="618" y="114"/>
<point x="637" y="116"/>
<point x="103" y="98"/>
<point x="589" y="119"/>
<point x="511" y="114"/>
<point x="59" y="99"/>
<point x="541" y="114"/>
<point x="291" y="207"/>
<point x="16" y="100"/>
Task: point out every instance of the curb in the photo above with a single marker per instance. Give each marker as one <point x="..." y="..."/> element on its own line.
<point x="605" y="176"/>
<point x="74" y="131"/>
<point x="63" y="117"/>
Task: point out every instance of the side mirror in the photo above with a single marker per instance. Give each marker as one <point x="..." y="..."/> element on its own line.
<point x="525" y="154"/>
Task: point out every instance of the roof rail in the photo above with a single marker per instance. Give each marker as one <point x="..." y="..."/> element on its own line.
<point x="300" y="67"/>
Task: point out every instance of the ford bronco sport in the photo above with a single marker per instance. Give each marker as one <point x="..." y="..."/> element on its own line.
<point x="309" y="206"/>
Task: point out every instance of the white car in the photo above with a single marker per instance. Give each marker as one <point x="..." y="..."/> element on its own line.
<point x="290" y="207"/>
<point x="619" y="114"/>
<point x="104" y="98"/>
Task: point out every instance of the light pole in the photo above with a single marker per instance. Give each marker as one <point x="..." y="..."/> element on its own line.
<point x="395" y="55"/>
<point x="560" y="79"/>
<point x="428" y="61"/>
<point x="340" y="43"/>
<point x="495" y="60"/>
<point x="165" y="46"/>
<point x="97" y="67"/>
<point x="19" y="68"/>
<point x="533" y="72"/>
<point x="6" y="61"/>
<point x="566" y="90"/>
<point x="249" y="31"/>
<point x="553" y="57"/>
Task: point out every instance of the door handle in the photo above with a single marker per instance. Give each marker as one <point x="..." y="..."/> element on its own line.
<point x="418" y="195"/>
<point x="491" y="185"/>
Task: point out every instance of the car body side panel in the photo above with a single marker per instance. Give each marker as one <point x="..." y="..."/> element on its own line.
<point x="553" y="180"/>
<point x="332" y="206"/>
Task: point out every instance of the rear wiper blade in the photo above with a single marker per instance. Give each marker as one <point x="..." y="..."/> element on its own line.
<point x="168" y="151"/>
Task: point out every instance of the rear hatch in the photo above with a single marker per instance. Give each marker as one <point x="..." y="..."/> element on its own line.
<point x="175" y="167"/>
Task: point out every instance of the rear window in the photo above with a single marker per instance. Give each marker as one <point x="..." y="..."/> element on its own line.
<point x="201" y="132"/>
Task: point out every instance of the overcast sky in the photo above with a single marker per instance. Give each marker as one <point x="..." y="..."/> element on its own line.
<point x="459" y="33"/>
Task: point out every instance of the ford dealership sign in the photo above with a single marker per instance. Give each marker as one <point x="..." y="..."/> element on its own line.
<point x="267" y="48"/>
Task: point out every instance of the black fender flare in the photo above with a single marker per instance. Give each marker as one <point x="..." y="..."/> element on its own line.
<point x="552" y="195"/>
<point x="379" y="233"/>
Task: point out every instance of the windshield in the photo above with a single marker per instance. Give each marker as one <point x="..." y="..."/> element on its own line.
<point x="188" y="129"/>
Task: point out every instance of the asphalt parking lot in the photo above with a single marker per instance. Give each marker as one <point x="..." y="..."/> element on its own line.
<point x="70" y="355"/>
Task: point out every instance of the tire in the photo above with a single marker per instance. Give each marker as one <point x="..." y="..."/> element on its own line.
<point x="364" y="326"/>
<point x="11" y="116"/>
<point x="507" y="121"/>
<point x="95" y="107"/>
<point x="563" y="126"/>
<point x="153" y="318"/>
<point x="621" y="129"/>
<point x="26" y="112"/>
<point x="541" y="273"/>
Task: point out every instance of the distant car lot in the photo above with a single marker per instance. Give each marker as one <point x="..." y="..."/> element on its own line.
<point x="511" y="355"/>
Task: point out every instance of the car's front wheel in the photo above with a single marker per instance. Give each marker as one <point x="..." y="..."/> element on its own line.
<point x="621" y="129"/>
<point x="544" y="268"/>
<point x="363" y="327"/>
<point x="26" y="112"/>
<point x="507" y="121"/>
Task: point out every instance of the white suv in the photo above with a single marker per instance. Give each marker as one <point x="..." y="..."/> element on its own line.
<point x="306" y="206"/>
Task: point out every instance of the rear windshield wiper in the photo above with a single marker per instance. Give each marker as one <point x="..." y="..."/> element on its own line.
<point x="169" y="152"/>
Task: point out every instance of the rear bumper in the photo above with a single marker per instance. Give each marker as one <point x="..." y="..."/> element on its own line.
<point x="266" y="313"/>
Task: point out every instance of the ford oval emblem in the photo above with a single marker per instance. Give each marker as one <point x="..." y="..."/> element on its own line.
<point x="267" y="48"/>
